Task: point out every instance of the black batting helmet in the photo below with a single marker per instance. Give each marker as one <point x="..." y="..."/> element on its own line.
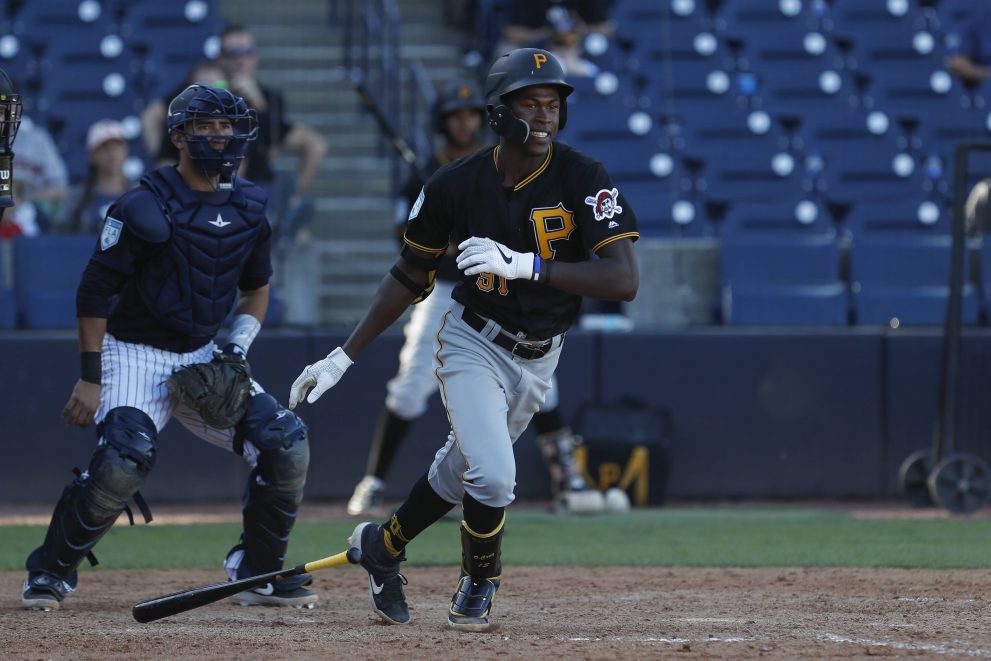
<point x="456" y="96"/>
<point x="523" y="67"/>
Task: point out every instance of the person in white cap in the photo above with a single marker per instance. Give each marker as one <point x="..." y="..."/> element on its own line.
<point x="87" y="202"/>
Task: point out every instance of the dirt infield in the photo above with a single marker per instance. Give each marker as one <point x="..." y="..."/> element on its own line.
<point x="567" y="613"/>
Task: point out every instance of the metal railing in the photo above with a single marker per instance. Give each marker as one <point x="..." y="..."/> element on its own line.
<point x="397" y="92"/>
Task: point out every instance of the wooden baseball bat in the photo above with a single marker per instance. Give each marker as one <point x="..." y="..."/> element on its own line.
<point x="180" y="602"/>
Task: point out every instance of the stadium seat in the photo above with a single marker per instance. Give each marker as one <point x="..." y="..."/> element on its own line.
<point x="173" y="36"/>
<point x="904" y="279"/>
<point x="786" y="305"/>
<point x="47" y="270"/>
<point x="776" y="270"/>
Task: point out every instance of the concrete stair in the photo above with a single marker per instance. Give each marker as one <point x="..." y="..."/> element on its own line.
<point x="331" y="281"/>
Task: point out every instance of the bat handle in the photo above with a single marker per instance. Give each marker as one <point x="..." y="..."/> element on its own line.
<point x="351" y="556"/>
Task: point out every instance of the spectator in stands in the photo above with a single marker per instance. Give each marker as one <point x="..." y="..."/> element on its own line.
<point x="41" y="169"/>
<point x="288" y="204"/>
<point x="559" y="26"/>
<point x="87" y="203"/>
<point x="971" y="61"/>
<point x="206" y="72"/>
<point x="25" y="218"/>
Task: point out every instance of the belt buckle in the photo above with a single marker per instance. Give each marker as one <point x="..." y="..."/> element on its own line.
<point x="538" y="351"/>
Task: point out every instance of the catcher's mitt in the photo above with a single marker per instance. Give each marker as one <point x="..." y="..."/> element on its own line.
<point x="218" y="390"/>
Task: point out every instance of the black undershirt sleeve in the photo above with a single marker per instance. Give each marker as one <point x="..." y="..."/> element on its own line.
<point x="98" y="286"/>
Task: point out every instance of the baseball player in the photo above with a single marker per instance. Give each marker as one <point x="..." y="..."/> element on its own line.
<point x="177" y="251"/>
<point x="526" y="216"/>
<point x="458" y="114"/>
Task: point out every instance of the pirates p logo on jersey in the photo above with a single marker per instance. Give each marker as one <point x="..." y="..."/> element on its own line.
<point x="111" y="233"/>
<point x="604" y="204"/>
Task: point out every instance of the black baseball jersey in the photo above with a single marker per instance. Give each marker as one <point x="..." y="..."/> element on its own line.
<point x="566" y="210"/>
<point x="448" y="268"/>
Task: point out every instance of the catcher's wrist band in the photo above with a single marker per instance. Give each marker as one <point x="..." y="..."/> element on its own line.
<point x="90" y="367"/>
<point x="244" y="329"/>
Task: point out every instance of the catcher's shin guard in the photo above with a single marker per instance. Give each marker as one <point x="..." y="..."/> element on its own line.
<point x="481" y="567"/>
<point x="275" y="487"/>
<point x="91" y="503"/>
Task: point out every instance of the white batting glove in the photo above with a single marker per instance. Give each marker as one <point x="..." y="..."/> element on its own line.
<point x="480" y="255"/>
<point x="321" y="376"/>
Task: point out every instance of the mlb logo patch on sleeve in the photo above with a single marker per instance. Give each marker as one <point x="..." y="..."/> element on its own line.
<point x="111" y="233"/>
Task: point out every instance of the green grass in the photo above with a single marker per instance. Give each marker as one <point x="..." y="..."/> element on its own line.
<point x="743" y="537"/>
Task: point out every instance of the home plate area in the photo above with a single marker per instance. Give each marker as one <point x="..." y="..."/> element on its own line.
<point x="584" y="613"/>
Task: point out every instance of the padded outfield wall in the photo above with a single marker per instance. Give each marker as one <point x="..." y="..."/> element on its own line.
<point x="754" y="414"/>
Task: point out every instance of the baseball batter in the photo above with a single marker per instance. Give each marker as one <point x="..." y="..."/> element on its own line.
<point x="458" y="114"/>
<point x="178" y="251"/>
<point x="527" y="217"/>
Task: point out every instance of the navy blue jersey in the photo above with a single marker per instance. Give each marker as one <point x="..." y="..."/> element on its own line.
<point x="144" y="249"/>
<point x="566" y="210"/>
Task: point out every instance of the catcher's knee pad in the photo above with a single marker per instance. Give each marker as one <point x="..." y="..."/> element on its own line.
<point x="281" y="439"/>
<point x="91" y="503"/>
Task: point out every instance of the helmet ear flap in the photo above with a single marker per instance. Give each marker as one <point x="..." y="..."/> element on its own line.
<point x="503" y="122"/>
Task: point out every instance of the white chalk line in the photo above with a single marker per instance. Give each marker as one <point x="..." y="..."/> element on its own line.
<point x="936" y="648"/>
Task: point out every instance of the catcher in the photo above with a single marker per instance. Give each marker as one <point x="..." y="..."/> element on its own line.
<point x="178" y="251"/>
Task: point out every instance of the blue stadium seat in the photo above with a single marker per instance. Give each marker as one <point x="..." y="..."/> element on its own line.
<point x="744" y="168"/>
<point x="776" y="270"/>
<point x="897" y="217"/>
<point x="47" y="270"/>
<point x="787" y="305"/>
<point x="172" y="37"/>
<point x="954" y="13"/>
<point x="904" y="277"/>
<point x="54" y="20"/>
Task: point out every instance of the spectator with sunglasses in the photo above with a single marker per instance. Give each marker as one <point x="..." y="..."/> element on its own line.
<point x="289" y="207"/>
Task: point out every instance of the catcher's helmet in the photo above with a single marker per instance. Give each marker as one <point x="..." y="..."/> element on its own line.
<point x="457" y="96"/>
<point x="523" y="67"/>
<point x="10" y="121"/>
<point x="202" y="102"/>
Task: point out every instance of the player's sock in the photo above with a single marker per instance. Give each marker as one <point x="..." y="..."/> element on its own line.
<point x="422" y="508"/>
<point x="482" y="518"/>
<point x="388" y="437"/>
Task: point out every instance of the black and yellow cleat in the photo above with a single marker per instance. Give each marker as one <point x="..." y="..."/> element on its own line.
<point x="471" y="604"/>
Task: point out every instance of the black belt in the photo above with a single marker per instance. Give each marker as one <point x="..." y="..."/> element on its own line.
<point x="524" y="350"/>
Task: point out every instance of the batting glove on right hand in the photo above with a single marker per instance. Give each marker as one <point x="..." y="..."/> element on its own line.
<point x="482" y="255"/>
<point x="321" y="376"/>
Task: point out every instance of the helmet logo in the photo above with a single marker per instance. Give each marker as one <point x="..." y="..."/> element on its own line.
<point x="464" y="92"/>
<point x="604" y="204"/>
<point x="539" y="59"/>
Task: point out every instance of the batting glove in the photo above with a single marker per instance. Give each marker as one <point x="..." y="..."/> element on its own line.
<point x="480" y="255"/>
<point x="321" y="376"/>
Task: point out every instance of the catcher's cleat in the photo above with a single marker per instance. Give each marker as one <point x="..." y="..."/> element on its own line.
<point x="368" y="496"/>
<point x="471" y="604"/>
<point x="43" y="592"/>
<point x="385" y="583"/>
<point x="289" y="592"/>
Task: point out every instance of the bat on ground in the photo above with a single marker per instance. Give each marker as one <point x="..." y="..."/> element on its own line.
<point x="180" y="602"/>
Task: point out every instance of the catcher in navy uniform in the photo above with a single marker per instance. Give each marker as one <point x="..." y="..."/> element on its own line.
<point x="178" y="251"/>
<point x="527" y="216"/>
